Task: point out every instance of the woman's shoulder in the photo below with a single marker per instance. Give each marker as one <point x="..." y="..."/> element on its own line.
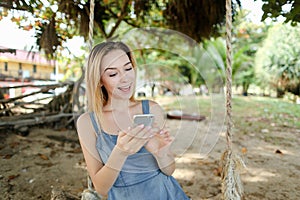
<point x="151" y="102"/>
<point x="154" y="107"/>
<point x="83" y="116"/>
<point x="85" y="125"/>
<point x="83" y="119"/>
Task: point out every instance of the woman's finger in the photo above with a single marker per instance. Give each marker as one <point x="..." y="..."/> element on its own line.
<point x="135" y="130"/>
<point x="145" y="133"/>
<point x="124" y="137"/>
<point x="164" y="133"/>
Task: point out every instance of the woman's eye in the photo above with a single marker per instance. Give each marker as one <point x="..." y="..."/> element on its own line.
<point x="128" y="69"/>
<point x="112" y="75"/>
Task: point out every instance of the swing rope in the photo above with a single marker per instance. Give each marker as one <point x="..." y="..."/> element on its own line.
<point x="91" y="24"/>
<point x="228" y="74"/>
<point x="77" y="84"/>
<point x="231" y="183"/>
<point x="90" y="193"/>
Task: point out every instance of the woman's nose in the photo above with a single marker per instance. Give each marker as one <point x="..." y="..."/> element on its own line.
<point x="124" y="76"/>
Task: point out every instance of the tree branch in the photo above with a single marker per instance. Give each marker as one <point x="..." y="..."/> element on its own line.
<point x="10" y="6"/>
<point x="124" y="19"/>
<point x="120" y="18"/>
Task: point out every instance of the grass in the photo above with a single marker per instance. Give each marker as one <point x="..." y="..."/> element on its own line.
<point x="250" y="114"/>
<point x="276" y="112"/>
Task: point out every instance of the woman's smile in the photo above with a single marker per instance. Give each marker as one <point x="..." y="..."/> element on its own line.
<point x="126" y="88"/>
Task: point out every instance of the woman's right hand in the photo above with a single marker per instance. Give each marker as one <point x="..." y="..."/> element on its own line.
<point x="132" y="140"/>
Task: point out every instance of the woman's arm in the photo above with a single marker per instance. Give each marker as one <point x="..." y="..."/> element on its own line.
<point x="104" y="176"/>
<point x="161" y="149"/>
<point x="159" y="146"/>
<point x="166" y="163"/>
<point x="164" y="156"/>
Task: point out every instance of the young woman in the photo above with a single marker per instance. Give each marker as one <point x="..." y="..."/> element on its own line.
<point x="124" y="161"/>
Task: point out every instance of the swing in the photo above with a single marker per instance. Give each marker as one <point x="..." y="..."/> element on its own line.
<point x="90" y="193"/>
<point x="231" y="183"/>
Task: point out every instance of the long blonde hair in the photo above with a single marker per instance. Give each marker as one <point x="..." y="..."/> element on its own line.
<point x="97" y="96"/>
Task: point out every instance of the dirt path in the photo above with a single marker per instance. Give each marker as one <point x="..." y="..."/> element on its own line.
<point x="34" y="165"/>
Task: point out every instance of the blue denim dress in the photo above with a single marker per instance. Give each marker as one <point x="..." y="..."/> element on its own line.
<point x="140" y="177"/>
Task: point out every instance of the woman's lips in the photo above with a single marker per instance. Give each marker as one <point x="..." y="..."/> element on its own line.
<point x="125" y="88"/>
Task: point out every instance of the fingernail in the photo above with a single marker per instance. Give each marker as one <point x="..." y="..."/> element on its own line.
<point x="141" y="125"/>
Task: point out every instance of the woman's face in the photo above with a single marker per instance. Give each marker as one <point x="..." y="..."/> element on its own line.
<point x="117" y="75"/>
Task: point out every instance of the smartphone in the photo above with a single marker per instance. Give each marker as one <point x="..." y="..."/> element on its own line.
<point x="146" y="119"/>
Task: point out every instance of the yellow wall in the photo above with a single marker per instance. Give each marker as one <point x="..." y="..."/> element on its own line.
<point x="42" y="71"/>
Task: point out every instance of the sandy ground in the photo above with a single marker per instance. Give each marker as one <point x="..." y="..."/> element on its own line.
<point x="46" y="160"/>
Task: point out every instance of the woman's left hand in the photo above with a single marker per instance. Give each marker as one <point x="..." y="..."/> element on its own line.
<point x="159" y="144"/>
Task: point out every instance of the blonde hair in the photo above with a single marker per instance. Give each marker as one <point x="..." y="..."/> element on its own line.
<point x="97" y="96"/>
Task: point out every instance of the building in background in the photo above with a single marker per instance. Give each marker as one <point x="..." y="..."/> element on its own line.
<point x="20" y="65"/>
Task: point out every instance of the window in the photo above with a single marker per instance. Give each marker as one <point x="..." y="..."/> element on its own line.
<point x="34" y="68"/>
<point x="20" y="71"/>
<point x="6" y="66"/>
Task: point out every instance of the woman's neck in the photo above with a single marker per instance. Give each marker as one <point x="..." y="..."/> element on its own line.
<point x="119" y="105"/>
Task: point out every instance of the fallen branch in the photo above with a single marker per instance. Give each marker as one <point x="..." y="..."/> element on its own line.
<point x="43" y="90"/>
<point x="35" y="120"/>
<point x="19" y="114"/>
<point x="25" y="103"/>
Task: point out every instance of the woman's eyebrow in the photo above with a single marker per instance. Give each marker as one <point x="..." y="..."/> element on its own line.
<point x="110" y="68"/>
<point x="113" y="68"/>
<point x="127" y="64"/>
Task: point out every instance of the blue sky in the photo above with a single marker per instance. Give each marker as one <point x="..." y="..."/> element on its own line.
<point x="13" y="37"/>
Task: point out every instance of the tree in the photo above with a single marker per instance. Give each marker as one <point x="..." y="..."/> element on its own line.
<point x="247" y="39"/>
<point x="289" y="9"/>
<point x="278" y="59"/>
<point x="243" y="70"/>
<point x="242" y="65"/>
<point x="57" y="20"/>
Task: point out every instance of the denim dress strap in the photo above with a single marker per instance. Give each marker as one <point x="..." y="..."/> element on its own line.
<point x="145" y="105"/>
<point x="94" y="122"/>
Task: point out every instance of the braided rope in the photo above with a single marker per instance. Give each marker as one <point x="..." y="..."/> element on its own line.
<point x="232" y="188"/>
<point x="90" y="193"/>
<point x="91" y="24"/>
<point x="228" y="74"/>
<point x="76" y="103"/>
